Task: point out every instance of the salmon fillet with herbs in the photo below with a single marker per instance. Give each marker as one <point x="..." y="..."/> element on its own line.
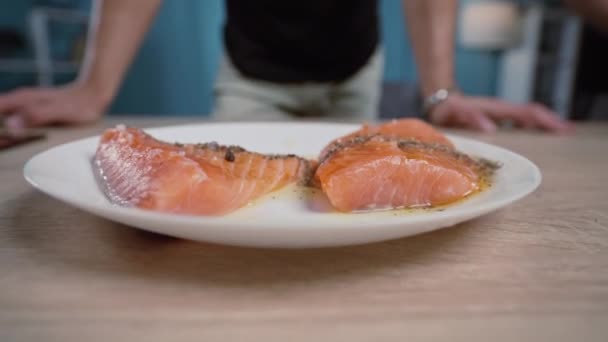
<point x="137" y="170"/>
<point x="402" y="164"/>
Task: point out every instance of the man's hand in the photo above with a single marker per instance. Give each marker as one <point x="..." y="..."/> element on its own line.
<point x="432" y="24"/>
<point x="122" y="26"/>
<point x="483" y="114"/>
<point x="72" y="104"/>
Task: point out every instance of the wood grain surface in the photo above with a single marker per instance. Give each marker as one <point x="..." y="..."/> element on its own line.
<point x="535" y="271"/>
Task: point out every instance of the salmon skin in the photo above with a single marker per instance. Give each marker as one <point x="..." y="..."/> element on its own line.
<point x="137" y="170"/>
<point x="373" y="172"/>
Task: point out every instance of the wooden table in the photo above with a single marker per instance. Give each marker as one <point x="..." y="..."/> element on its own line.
<point x="537" y="270"/>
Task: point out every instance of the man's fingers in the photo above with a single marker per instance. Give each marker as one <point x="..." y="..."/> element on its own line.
<point x="501" y="110"/>
<point x="481" y="113"/>
<point x="546" y="119"/>
<point x="527" y="116"/>
<point x="12" y="101"/>
<point x="39" y="114"/>
<point x="456" y="114"/>
<point x="476" y="119"/>
<point x="15" y="125"/>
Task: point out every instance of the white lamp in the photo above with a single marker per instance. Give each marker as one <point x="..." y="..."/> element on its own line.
<point x="489" y="25"/>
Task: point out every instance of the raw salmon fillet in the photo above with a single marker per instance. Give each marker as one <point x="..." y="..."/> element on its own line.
<point x="384" y="172"/>
<point x="203" y="179"/>
<point x="402" y="128"/>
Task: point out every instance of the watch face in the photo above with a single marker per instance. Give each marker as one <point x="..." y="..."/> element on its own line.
<point x="437" y="97"/>
<point x="441" y="94"/>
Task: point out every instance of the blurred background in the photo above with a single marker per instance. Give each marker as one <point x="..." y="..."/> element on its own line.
<point x="518" y="50"/>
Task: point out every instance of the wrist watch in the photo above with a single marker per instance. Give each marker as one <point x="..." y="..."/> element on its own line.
<point x="436" y="98"/>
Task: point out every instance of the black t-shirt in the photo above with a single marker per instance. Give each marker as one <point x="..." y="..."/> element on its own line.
<point x="303" y="40"/>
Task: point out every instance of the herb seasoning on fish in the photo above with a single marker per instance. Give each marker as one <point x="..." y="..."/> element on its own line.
<point x="136" y="169"/>
<point x="230" y="157"/>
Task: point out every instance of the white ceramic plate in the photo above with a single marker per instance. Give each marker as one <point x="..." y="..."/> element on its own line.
<point x="289" y="218"/>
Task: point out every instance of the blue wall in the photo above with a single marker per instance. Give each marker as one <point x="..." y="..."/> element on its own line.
<point x="176" y="66"/>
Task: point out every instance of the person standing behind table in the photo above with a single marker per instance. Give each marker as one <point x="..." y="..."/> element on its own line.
<point x="285" y="59"/>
